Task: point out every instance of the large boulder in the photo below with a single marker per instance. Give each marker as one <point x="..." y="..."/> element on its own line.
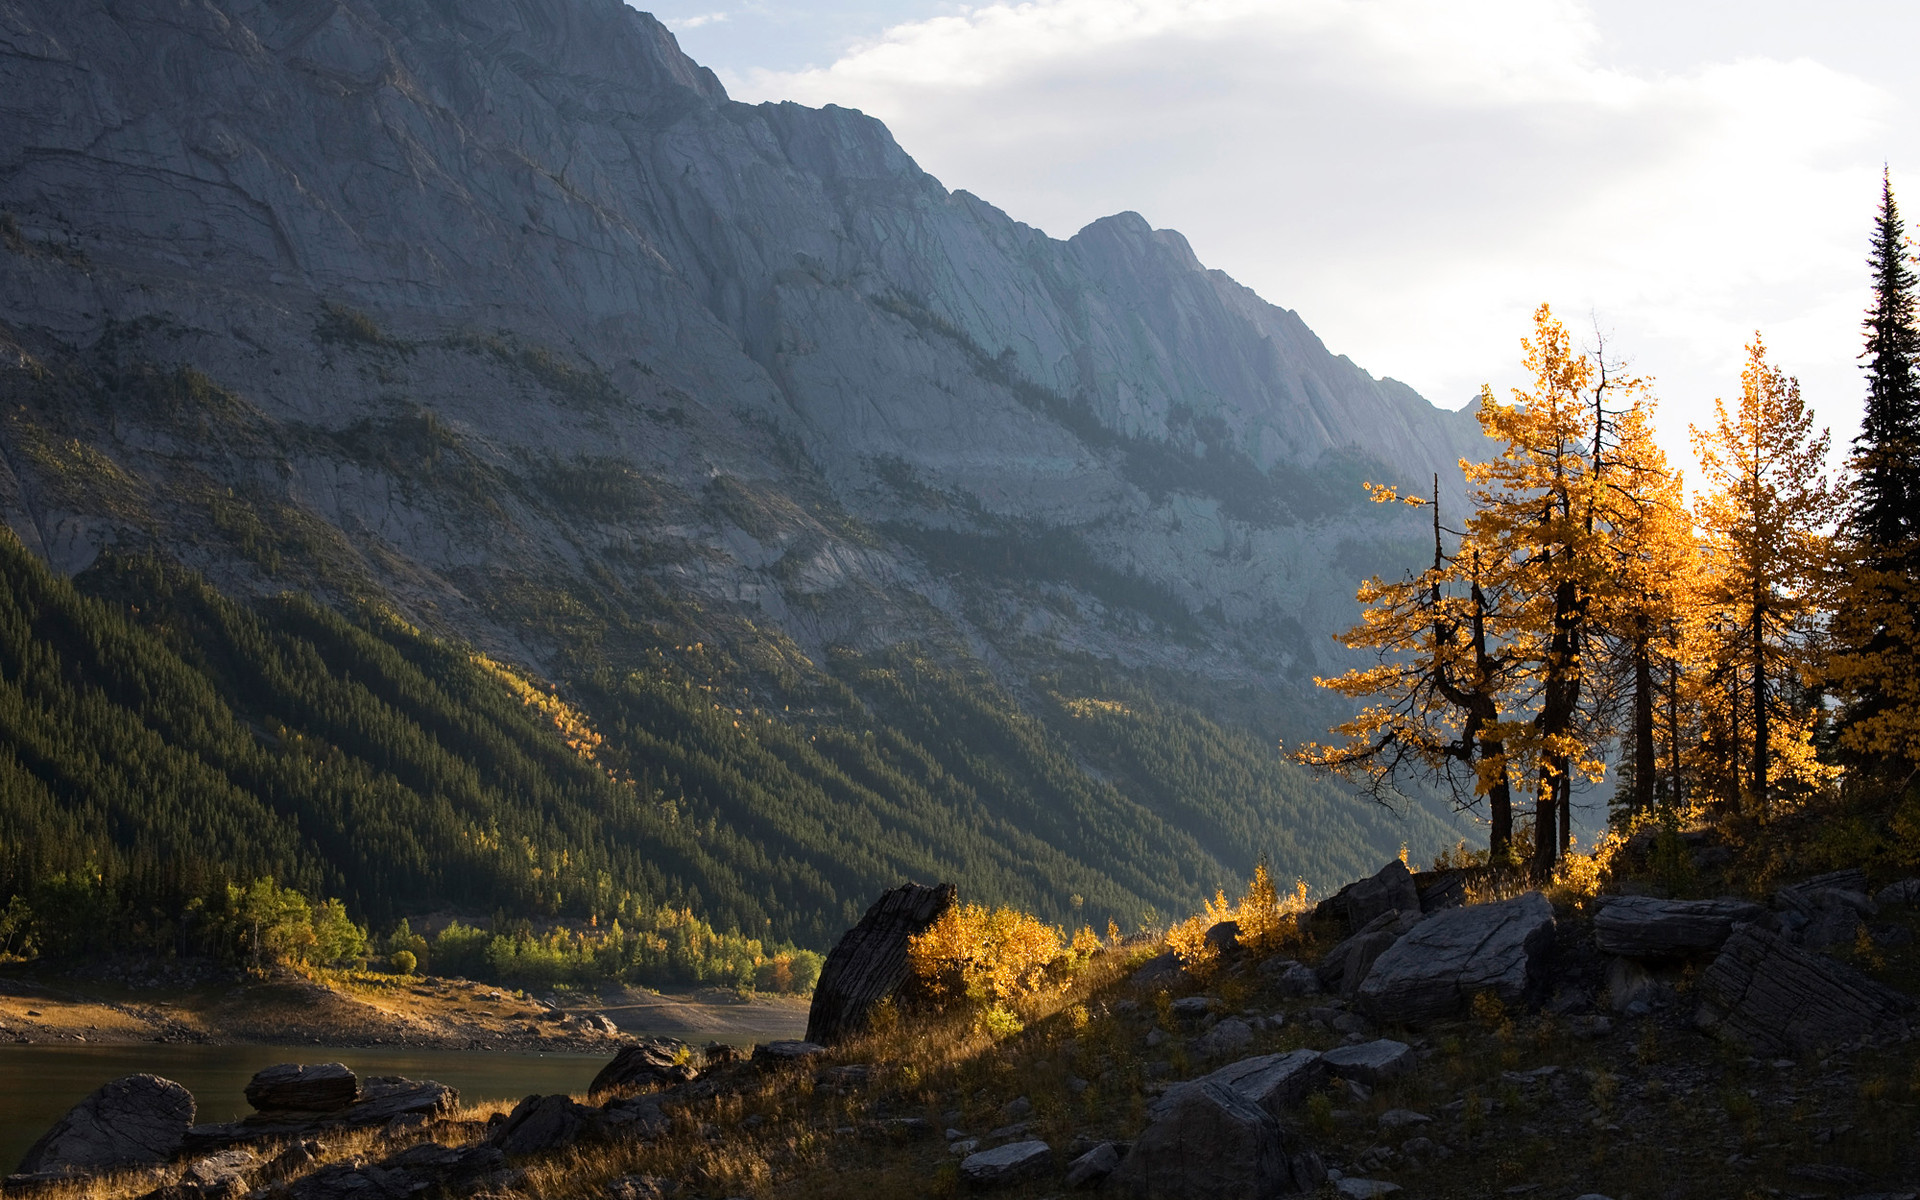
<point x="1390" y="889"/>
<point x="1210" y="1142"/>
<point x="1646" y="927"/>
<point x="291" y="1087"/>
<point x="1271" y="1082"/>
<point x="133" y="1121"/>
<point x="542" y="1123"/>
<point x="1778" y="998"/>
<point x="869" y="963"/>
<point x="1436" y="968"/>
<point x="649" y="1062"/>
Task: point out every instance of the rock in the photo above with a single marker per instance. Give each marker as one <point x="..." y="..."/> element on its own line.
<point x="1364" y="1189"/>
<point x="1161" y="969"/>
<point x="1347" y="964"/>
<point x="228" y="1168"/>
<point x="132" y="1121"/>
<point x="649" y="1062"/>
<point x="869" y="962"/>
<point x="1633" y="990"/>
<point x="426" y="1168"/>
<point x="540" y="1123"/>
<point x="1437" y="967"/>
<point x="1369" y="1062"/>
<point x="1271" y="1082"/>
<point x="1390" y="890"/>
<point x="1889" y="936"/>
<point x="633" y="1117"/>
<point x="1834" y="919"/>
<point x="1194" y="1007"/>
<point x="1907" y="891"/>
<point x="1209" y="1142"/>
<point x="1294" y="979"/>
<point x="1778" y="998"/>
<point x="1401" y="1118"/>
<point x="1092" y="1168"/>
<point x="1224" y="936"/>
<point x="1643" y="927"/>
<point x="1006" y="1164"/>
<point x="1017" y="1109"/>
<point x="1440" y="889"/>
<point x="774" y="1053"/>
<point x="639" y="1187"/>
<point x="384" y="1097"/>
<point x="1229" y="1037"/>
<point x="1852" y="879"/>
<point x="290" y="1087"/>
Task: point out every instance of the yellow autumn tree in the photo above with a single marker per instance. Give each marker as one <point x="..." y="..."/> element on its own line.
<point x="1764" y="518"/>
<point x="1643" y="611"/>
<point x="1542" y="532"/>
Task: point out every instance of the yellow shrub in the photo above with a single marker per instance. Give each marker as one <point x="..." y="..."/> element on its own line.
<point x="986" y="955"/>
<point x="1188" y="940"/>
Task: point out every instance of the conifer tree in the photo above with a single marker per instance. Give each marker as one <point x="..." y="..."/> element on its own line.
<point x="1763" y="519"/>
<point x="1876" y="662"/>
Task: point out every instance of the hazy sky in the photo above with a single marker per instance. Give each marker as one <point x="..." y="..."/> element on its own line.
<point x="1411" y="176"/>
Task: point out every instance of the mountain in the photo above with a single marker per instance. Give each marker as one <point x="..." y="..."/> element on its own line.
<point x="499" y="317"/>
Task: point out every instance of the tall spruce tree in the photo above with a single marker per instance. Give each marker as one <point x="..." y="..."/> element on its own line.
<point x="1876" y="627"/>
<point x="1886" y="504"/>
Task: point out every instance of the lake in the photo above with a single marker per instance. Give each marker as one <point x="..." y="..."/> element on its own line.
<point x="38" y="1084"/>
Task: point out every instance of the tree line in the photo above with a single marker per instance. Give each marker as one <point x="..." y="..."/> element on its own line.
<point x="1750" y="652"/>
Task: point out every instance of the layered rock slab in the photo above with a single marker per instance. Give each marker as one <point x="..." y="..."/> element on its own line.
<point x="1776" y="997"/>
<point x="1646" y="927"/>
<point x="1443" y="962"/>
<point x="133" y="1121"/>
<point x="869" y="962"/>
<point x="1210" y="1142"/>
<point x="1270" y="1082"/>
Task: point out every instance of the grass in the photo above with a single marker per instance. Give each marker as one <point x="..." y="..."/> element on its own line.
<point x="1653" y="1109"/>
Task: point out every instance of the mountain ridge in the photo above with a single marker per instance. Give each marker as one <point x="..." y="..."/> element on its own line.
<point x="501" y="314"/>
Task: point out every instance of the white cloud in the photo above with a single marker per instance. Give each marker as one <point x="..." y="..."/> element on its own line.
<point x="1414" y="177"/>
<point x="678" y="24"/>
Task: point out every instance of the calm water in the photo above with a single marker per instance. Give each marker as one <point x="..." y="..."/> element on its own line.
<point x="38" y="1084"/>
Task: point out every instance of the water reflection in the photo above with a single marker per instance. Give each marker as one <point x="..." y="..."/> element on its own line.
<point x="38" y="1084"/>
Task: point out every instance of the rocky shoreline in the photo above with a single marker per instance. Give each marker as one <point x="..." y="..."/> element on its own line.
<point x="1624" y="1045"/>
<point x="430" y="1013"/>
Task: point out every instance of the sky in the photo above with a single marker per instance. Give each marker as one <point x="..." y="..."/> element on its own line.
<point x="1414" y="177"/>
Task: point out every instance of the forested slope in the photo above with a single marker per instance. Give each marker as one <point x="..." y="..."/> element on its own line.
<point x="164" y="739"/>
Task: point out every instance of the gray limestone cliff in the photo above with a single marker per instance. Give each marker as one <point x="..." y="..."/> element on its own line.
<point x="488" y="306"/>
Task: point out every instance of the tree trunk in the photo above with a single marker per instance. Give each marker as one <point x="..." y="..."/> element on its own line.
<point x="1645" y="759"/>
<point x="1564" y="786"/>
<point x="1673" y="731"/>
<point x="1761" y="748"/>
<point x="1546" y="809"/>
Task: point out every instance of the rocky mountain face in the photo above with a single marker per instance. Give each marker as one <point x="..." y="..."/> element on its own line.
<point x="501" y="313"/>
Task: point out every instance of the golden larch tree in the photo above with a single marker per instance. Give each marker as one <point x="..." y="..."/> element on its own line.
<point x="1764" y="518"/>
